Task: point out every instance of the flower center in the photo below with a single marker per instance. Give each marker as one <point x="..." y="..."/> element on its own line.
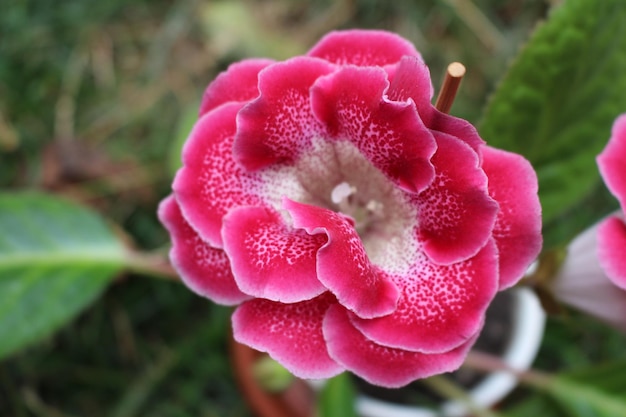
<point x="336" y="175"/>
<point x="364" y="213"/>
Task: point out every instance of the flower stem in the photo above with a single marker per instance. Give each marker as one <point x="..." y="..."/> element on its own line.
<point x="154" y="264"/>
<point x="489" y="363"/>
<point x="451" y="82"/>
<point x="450" y="390"/>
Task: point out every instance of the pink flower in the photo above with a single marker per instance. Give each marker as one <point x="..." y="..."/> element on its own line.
<point x="612" y="231"/>
<point x="355" y="226"/>
<point x="596" y="261"/>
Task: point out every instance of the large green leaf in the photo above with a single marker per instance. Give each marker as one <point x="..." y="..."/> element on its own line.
<point x="55" y="258"/>
<point x="557" y="103"/>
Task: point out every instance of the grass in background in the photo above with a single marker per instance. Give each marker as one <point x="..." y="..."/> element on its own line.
<point x="94" y="101"/>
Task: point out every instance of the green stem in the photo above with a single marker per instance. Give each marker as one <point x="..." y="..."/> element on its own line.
<point x="154" y="264"/>
<point x="448" y="389"/>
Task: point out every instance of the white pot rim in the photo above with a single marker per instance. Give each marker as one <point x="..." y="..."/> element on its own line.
<point x="526" y="335"/>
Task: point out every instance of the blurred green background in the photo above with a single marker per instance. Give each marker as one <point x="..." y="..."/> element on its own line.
<point x="95" y="100"/>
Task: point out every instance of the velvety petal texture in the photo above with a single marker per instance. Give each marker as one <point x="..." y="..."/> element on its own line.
<point x="204" y="269"/>
<point x="354" y="225"/>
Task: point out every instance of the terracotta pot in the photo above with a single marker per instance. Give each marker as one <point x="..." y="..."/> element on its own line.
<point x="298" y="400"/>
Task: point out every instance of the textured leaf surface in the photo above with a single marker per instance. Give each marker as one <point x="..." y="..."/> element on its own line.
<point x="558" y="101"/>
<point x="55" y="258"/>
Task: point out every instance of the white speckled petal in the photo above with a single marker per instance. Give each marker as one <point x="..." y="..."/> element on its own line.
<point x="279" y="125"/>
<point x="204" y="269"/>
<point x="440" y="307"/>
<point x="381" y="365"/>
<point x="269" y="259"/>
<point x="290" y="333"/>
<point x="342" y="264"/>
<point x="210" y="182"/>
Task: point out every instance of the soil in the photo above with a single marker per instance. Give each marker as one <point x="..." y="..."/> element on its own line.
<point x="493" y="339"/>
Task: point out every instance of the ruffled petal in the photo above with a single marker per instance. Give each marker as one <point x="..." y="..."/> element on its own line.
<point x="513" y="184"/>
<point x="342" y="264"/>
<point x="456" y="214"/>
<point x="290" y="333"/>
<point x="381" y="365"/>
<point x="210" y="182"/>
<point x="440" y="307"/>
<point x="270" y="260"/>
<point x="279" y="125"/>
<point x="363" y="48"/>
<point x="238" y="83"/>
<point x="204" y="269"/>
<point x="411" y="80"/>
<point x="612" y="249"/>
<point x="351" y="104"/>
<point x="612" y="161"/>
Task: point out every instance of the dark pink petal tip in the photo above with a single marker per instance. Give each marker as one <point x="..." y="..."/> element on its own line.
<point x="363" y="48"/>
<point x="342" y="264"/>
<point x="290" y="333"/>
<point x="351" y="103"/>
<point x="513" y="184"/>
<point x="238" y="83"/>
<point x="612" y="249"/>
<point x="270" y="260"/>
<point x="202" y="268"/>
<point x="612" y="161"/>
<point x="456" y="213"/>
<point x="279" y="124"/>
<point x="381" y="365"/>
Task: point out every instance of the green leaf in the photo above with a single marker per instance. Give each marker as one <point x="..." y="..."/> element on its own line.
<point x="557" y="103"/>
<point x="55" y="258"/>
<point x="598" y="391"/>
<point x="338" y="397"/>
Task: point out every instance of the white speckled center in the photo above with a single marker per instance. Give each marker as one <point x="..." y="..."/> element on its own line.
<point x="336" y="175"/>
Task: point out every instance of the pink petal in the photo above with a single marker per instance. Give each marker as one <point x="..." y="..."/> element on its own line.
<point x="513" y="184"/>
<point x="342" y="264"/>
<point x="363" y="47"/>
<point x="381" y="365"/>
<point x="440" y="307"/>
<point x="290" y="333"/>
<point x="612" y="249"/>
<point x="411" y="80"/>
<point x="456" y="214"/>
<point x="278" y="125"/>
<point x="210" y="182"/>
<point x="612" y="161"/>
<point x="583" y="284"/>
<point x="352" y="105"/>
<point x="238" y="83"/>
<point x="204" y="269"/>
<point x="270" y="260"/>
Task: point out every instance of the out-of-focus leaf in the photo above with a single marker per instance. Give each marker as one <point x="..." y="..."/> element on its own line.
<point x="558" y="101"/>
<point x="594" y="392"/>
<point x="337" y="398"/>
<point x="55" y="258"/>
